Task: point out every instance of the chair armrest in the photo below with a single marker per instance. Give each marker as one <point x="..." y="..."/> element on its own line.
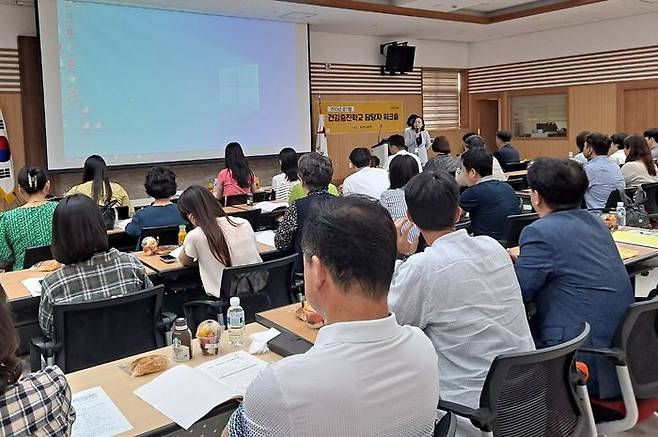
<point x="480" y="418"/>
<point x="41" y="347"/>
<point x="617" y="356"/>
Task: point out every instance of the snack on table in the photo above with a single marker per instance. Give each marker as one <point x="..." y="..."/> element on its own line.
<point x="149" y="245"/>
<point x="48" y="266"/>
<point x="148" y="364"/>
<point x="209" y="334"/>
<point x="312" y="318"/>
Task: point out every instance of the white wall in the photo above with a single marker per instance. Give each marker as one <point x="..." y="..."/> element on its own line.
<point x="14" y="21"/>
<point x="621" y="33"/>
<point x="355" y="49"/>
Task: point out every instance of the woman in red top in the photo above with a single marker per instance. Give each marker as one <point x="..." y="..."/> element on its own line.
<point x="236" y="177"/>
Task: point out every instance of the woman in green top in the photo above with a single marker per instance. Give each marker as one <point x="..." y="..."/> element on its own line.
<point x="31" y="225"/>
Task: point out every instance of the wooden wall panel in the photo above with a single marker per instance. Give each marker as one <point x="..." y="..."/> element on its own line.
<point x="593" y="108"/>
<point x="340" y="145"/>
<point x="34" y="128"/>
<point x="636" y="105"/>
<point x="10" y="104"/>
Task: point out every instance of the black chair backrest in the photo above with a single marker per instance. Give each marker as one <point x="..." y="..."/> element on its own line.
<point x="122" y="241"/>
<point x="514" y="225"/>
<point x="37" y="254"/>
<point x="238" y="199"/>
<point x="651" y="203"/>
<point x="101" y="331"/>
<point x="123" y="212"/>
<point x="514" y="166"/>
<point x="262" y="196"/>
<point x="252" y="216"/>
<point x="167" y="235"/>
<point x="533" y="394"/>
<point x="637" y="336"/>
<point x="261" y="286"/>
<point x="615" y="197"/>
<point x="447" y="426"/>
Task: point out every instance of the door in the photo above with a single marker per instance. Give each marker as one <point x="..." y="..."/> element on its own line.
<point x="489" y="122"/>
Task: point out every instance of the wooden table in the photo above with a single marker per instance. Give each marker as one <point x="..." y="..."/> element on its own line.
<point x="120" y="386"/>
<point x="284" y="319"/>
<point x="643" y="253"/>
<point x="12" y="283"/>
<point x="518" y="173"/>
<point x="523" y="193"/>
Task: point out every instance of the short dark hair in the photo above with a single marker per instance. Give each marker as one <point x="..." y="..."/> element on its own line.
<point x="479" y="160"/>
<point x="32" y="179"/>
<point x="397" y="141"/>
<point x="599" y="142"/>
<point x="560" y="182"/>
<point x="467" y="135"/>
<point x="651" y="133"/>
<point x="475" y="142"/>
<point x="78" y="230"/>
<point x="360" y="157"/>
<point x="504" y="136"/>
<point x="160" y="183"/>
<point x="352" y="222"/>
<point x="374" y="161"/>
<point x="617" y="139"/>
<point x="401" y="169"/>
<point x="432" y="200"/>
<point x="315" y="171"/>
<point x="580" y="139"/>
<point x="441" y="145"/>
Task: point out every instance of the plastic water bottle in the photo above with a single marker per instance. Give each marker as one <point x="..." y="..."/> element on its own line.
<point x="570" y="155"/>
<point x="235" y="316"/>
<point x="621" y="215"/>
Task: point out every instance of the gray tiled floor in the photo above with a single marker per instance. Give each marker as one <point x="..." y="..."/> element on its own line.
<point x="647" y="428"/>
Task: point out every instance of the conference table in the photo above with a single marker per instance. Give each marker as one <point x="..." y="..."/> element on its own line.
<point x="120" y="386"/>
<point x="284" y="319"/>
<point x="516" y="174"/>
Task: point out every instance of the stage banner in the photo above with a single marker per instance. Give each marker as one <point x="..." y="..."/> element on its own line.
<point x="363" y="117"/>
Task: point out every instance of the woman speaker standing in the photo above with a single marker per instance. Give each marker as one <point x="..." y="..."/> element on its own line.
<point x="416" y="138"/>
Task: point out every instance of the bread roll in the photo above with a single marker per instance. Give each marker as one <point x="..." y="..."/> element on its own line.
<point x="148" y="364"/>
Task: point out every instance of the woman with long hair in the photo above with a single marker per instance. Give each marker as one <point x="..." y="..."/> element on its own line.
<point x="30" y="225"/>
<point x="96" y="184"/>
<point x="639" y="168"/>
<point x="236" y="177"/>
<point x="217" y="241"/>
<point x="36" y="404"/>
<point x="284" y="181"/>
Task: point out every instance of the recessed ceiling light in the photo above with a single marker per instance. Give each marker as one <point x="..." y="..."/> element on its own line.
<point x="297" y="15"/>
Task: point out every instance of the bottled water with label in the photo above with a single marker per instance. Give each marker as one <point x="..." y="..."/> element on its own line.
<point x="621" y="215"/>
<point x="235" y="316"/>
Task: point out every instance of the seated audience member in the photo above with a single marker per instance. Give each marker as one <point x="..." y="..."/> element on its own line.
<point x="315" y="172"/>
<point x="402" y="169"/>
<point x="651" y="136"/>
<point x="374" y="161"/>
<point x="161" y="185"/>
<point x="30" y="225"/>
<point x="477" y="142"/>
<point x="366" y="181"/>
<point x="96" y="184"/>
<point x="487" y="201"/>
<point x="417" y="139"/>
<point x="442" y="160"/>
<point x="37" y="404"/>
<point x="603" y="176"/>
<point x="619" y="155"/>
<point x="396" y="147"/>
<point x="236" y="177"/>
<point x="570" y="268"/>
<point x="365" y="375"/>
<point x="506" y="152"/>
<point x="639" y="168"/>
<point x="284" y="181"/>
<point x="461" y="291"/>
<point x="217" y="241"/>
<point x="580" y="143"/>
<point x="91" y="270"/>
<point x="297" y="192"/>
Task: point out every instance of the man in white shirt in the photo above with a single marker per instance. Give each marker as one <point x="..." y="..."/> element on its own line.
<point x="367" y="180"/>
<point x="473" y="142"/>
<point x="619" y="157"/>
<point x="366" y="375"/>
<point x="461" y="291"/>
<point x="397" y="147"/>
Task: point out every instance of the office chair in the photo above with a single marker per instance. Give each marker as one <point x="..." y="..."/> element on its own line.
<point x="238" y="199"/>
<point x="635" y="353"/>
<point x="166" y="235"/>
<point x="90" y="333"/>
<point x="252" y="216"/>
<point x="533" y="394"/>
<point x="34" y="255"/>
<point x="123" y="212"/>
<point x="615" y="197"/>
<point x="514" y="166"/>
<point x="122" y="241"/>
<point x="651" y="202"/>
<point x="260" y="287"/>
<point x="263" y="196"/>
<point x="447" y="426"/>
<point x="513" y="227"/>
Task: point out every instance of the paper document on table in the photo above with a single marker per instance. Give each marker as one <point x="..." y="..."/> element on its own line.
<point x="270" y="206"/>
<point x="236" y="370"/>
<point x="176" y="252"/>
<point x="265" y="237"/>
<point x="641" y="238"/>
<point x="96" y="415"/>
<point x="123" y="224"/>
<point x="184" y="394"/>
<point x="33" y="285"/>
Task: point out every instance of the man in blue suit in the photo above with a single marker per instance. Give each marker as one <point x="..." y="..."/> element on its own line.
<point x="570" y="268"/>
